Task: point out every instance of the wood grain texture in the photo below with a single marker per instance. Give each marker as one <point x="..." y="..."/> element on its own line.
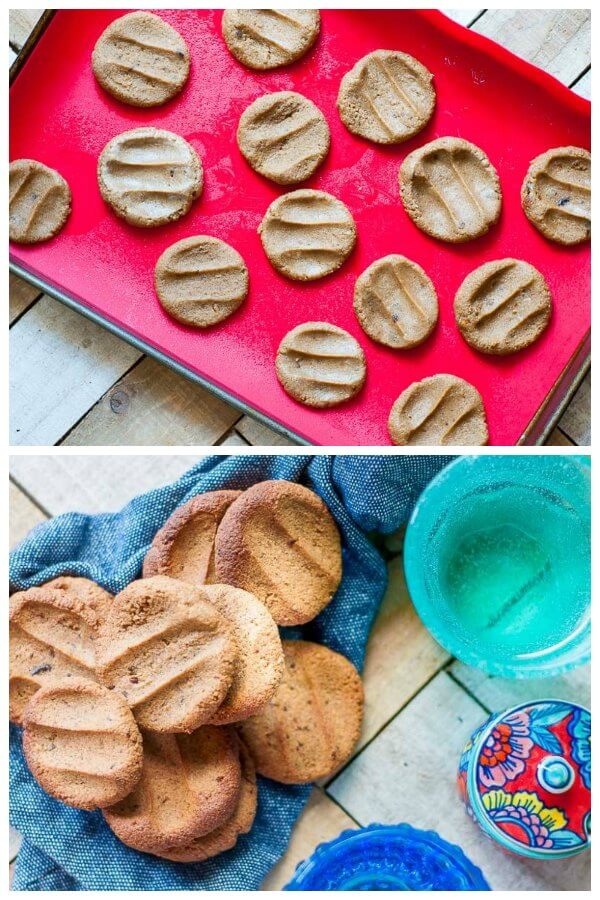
<point x="233" y="439"/>
<point x="153" y="406"/>
<point x="321" y="820"/>
<point x="261" y="436"/>
<point x="408" y="775"/>
<point x="60" y="363"/>
<point x="555" y="40"/>
<point x="497" y="694"/>
<point x="93" y="484"/>
<point x="576" y="420"/>
<point x="558" y="438"/>
<point x="21" y="24"/>
<point x="21" y="295"/>
<point x="463" y="16"/>
<point x="23" y="515"/>
<point x="401" y="656"/>
<point x="583" y="86"/>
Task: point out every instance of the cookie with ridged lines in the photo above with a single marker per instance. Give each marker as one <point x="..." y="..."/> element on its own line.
<point x="395" y="302"/>
<point x="442" y="410"/>
<point x="270" y="38"/>
<point x="307" y="234"/>
<point x="184" y="546"/>
<point x="141" y="60"/>
<point x="503" y="306"/>
<point x="52" y="639"/>
<point x="284" y="137"/>
<point x="260" y="658"/>
<point x="387" y="97"/>
<point x="556" y="194"/>
<point x="450" y="190"/>
<point x="190" y="785"/>
<point x="279" y="542"/>
<point x="86" y="591"/>
<point x="226" y="836"/>
<point x="201" y="281"/>
<point x="312" y="724"/>
<point x="169" y="652"/>
<point x="320" y="365"/>
<point x="81" y="744"/>
<point x="39" y="201"/>
<point x="149" y="176"/>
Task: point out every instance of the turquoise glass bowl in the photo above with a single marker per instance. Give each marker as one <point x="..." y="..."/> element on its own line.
<point x="497" y="562"/>
<point x="388" y="858"/>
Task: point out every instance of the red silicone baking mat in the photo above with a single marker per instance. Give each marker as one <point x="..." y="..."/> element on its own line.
<point x="484" y="94"/>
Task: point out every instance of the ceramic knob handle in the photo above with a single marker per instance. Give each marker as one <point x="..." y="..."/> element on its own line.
<point x="555" y="774"/>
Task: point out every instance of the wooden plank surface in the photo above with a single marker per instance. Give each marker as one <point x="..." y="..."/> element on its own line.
<point x="556" y="40"/>
<point x="575" y="421"/>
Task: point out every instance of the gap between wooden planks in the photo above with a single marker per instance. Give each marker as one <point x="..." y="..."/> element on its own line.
<point x="111" y="395"/>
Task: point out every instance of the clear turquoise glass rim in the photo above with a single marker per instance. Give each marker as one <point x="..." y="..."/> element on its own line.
<point x="415" y="551"/>
<point x="477" y="806"/>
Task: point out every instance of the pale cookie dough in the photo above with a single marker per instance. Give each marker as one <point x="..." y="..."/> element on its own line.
<point x="201" y="281"/>
<point x="450" y="190"/>
<point x="269" y="38"/>
<point x="284" y="137"/>
<point x="442" y="410"/>
<point x="395" y="302"/>
<point x="556" y="194"/>
<point x="320" y="365"/>
<point x="141" y="60"/>
<point x="39" y="202"/>
<point x="387" y="97"/>
<point x="503" y="306"/>
<point x="307" y="234"/>
<point x="149" y="176"/>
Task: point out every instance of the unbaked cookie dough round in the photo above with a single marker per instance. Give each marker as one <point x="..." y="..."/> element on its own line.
<point x="201" y="280"/>
<point x="284" y="137"/>
<point x="450" y="190"/>
<point x="387" y="97"/>
<point x="395" y="302"/>
<point x="149" y="176"/>
<point x="141" y="60"/>
<point x="442" y="410"/>
<point x="39" y="202"/>
<point x="307" y="234"/>
<point x="269" y="38"/>
<point x="556" y="194"/>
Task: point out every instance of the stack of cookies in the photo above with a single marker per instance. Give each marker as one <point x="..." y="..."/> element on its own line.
<point x="159" y="706"/>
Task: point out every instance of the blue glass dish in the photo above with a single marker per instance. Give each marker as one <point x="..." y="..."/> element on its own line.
<point x="497" y="562"/>
<point x="388" y="858"/>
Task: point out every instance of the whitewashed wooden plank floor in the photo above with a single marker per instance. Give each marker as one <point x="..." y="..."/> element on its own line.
<point x="111" y="395"/>
<point x="420" y="704"/>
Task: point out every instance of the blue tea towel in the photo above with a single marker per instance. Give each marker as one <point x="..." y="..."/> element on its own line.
<point x="68" y="849"/>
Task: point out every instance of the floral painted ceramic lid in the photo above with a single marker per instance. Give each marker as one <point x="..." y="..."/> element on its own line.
<point x="526" y="778"/>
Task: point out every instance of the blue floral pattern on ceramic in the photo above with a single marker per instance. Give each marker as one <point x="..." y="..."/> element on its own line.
<point x="524" y="776"/>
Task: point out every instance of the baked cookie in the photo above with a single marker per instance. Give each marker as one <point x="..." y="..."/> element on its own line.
<point x="39" y="201"/>
<point x="169" y="652"/>
<point x="556" y="194"/>
<point x="201" y="281"/>
<point x="395" y="302"/>
<point x="190" y="785"/>
<point x="149" y="176"/>
<point x="503" y="306"/>
<point x="387" y="97"/>
<point x="313" y="722"/>
<point x="141" y="60"/>
<point x="279" y="542"/>
<point x="81" y="744"/>
<point x="440" y="410"/>
<point x="450" y="190"/>
<point x="269" y="38"/>
<point x="184" y="546"/>
<point x="307" y="234"/>
<point x="51" y="639"/>
<point x="320" y="365"/>
<point x="260" y="657"/>
<point x="225" y="837"/>
<point x="284" y="137"/>
<point x="86" y="591"/>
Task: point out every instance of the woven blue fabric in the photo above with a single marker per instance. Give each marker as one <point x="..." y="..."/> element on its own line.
<point x="68" y="849"/>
